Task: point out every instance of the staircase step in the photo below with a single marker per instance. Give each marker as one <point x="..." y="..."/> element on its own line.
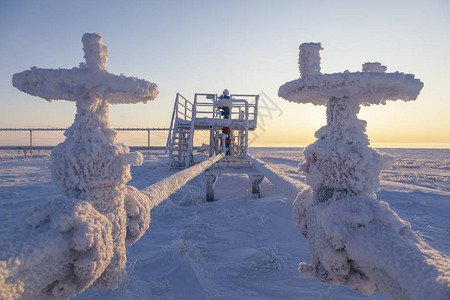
<point x="179" y="146"/>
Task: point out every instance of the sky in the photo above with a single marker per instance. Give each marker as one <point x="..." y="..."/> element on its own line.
<point x="245" y="46"/>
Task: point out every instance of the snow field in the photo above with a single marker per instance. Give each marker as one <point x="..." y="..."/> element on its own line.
<point x="237" y="247"/>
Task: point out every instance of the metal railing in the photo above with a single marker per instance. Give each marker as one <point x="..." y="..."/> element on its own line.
<point x="207" y="106"/>
<point x="31" y="130"/>
<point x="183" y="110"/>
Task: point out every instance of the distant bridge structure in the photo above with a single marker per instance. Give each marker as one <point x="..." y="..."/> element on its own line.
<point x="30" y="147"/>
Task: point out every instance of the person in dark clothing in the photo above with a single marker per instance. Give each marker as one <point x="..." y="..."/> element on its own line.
<point x="225" y="112"/>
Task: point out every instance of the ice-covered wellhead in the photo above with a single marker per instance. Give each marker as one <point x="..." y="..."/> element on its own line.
<point x="79" y="239"/>
<point x="356" y="240"/>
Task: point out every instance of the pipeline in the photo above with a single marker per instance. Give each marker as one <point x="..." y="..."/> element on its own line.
<point x="162" y="190"/>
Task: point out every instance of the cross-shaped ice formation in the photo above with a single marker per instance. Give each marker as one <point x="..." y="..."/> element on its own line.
<point x="80" y="239"/>
<point x="340" y="161"/>
<point x="91" y="79"/>
<point x="354" y="239"/>
<point x="372" y="86"/>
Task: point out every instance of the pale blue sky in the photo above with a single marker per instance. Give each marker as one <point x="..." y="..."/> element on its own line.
<point x="245" y="46"/>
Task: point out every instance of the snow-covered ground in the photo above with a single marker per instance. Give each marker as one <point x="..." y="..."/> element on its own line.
<point x="238" y="247"/>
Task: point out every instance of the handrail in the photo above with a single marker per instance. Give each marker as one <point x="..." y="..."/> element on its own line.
<point x="186" y="100"/>
<point x="254" y="105"/>
<point x="191" y="131"/>
<point x="246" y="120"/>
<point x="210" y="102"/>
<point x="169" y="136"/>
<point x="182" y="108"/>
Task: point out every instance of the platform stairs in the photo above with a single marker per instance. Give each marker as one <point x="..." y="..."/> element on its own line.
<point x="181" y="134"/>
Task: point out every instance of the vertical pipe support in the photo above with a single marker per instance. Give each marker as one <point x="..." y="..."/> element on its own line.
<point x="148" y="137"/>
<point x="211" y="141"/>
<point x="210" y="180"/>
<point x="256" y="181"/>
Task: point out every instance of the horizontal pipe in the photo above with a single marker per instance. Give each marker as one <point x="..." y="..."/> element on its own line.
<point x="162" y="190"/>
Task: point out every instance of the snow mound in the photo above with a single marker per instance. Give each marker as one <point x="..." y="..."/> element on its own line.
<point x="260" y="262"/>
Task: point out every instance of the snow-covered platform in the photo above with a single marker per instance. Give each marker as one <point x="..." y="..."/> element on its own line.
<point x="206" y="112"/>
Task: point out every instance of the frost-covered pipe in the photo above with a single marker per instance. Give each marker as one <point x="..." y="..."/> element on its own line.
<point x="161" y="190"/>
<point x="288" y="187"/>
<point x="309" y="59"/>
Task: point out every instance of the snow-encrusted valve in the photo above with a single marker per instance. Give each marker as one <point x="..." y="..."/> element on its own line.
<point x="354" y="239"/>
<point x="97" y="216"/>
<point x="340" y="162"/>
